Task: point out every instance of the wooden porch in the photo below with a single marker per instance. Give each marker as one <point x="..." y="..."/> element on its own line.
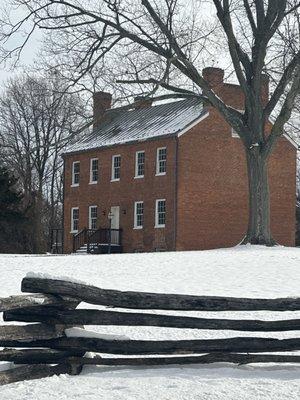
<point x="91" y="241"/>
<point x="98" y="241"/>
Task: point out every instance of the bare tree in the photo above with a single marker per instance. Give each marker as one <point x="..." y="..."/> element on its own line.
<point x="37" y="119"/>
<point x="262" y="37"/>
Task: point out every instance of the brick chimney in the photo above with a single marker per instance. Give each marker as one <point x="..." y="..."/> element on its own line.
<point x="213" y="76"/>
<point x="102" y="102"/>
<point x="144" y="102"/>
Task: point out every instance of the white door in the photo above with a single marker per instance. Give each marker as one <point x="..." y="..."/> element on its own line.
<point x="115" y="224"/>
<point x="115" y="221"/>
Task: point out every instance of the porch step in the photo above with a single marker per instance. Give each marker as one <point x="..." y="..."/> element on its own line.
<point x="82" y="250"/>
<point x="101" y="249"/>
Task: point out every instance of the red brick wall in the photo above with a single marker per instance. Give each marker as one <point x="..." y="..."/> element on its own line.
<point x="212" y="189"/>
<point x="124" y="193"/>
<point x="213" y="192"/>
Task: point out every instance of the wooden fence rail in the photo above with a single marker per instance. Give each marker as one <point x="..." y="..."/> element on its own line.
<point x="36" y="300"/>
<point x="152" y="347"/>
<point x="103" y="317"/>
<point x="52" y="308"/>
<point x="155" y="301"/>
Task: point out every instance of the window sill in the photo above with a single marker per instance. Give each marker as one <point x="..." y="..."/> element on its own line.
<point x="75" y="185"/>
<point x="115" y="180"/>
<point x="159" y="226"/>
<point x="139" y="177"/>
<point x="161" y="174"/>
<point x="74" y="231"/>
<point x="138" y="227"/>
<point x="93" y="183"/>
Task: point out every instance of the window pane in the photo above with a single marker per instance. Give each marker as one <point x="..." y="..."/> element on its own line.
<point x="76" y="173"/>
<point x="140" y="163"/>
<point x="93" y="217"/>
<point x="161" y="212"/>
<point x="117" y="161"/>
<point x="139" y="214"/>
<point x="75" y="219"/>
<point x="161" y="161"/>
<point x="76" y="167"/>
<point x="94" y="170"/>
<point x="75" y="213"/>
<point x="95" y="176"/>
<point x="116" y="167"/>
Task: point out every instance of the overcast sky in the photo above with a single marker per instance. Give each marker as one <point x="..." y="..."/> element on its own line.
<point x="30" y="50"/>
<point x="32" y="46"/>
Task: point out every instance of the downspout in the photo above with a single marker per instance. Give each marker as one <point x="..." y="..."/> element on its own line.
<point x="63" y="208"/>
<point x="175" y="194"/>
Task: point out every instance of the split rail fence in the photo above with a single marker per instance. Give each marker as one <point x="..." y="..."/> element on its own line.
<point x="42" y="348"/>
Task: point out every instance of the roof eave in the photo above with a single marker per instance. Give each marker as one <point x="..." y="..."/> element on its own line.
<point x="129" y="142"/>
<point x="179" y="133"/>
<point x="292" y="141"/>
<point x="193" y="123"/>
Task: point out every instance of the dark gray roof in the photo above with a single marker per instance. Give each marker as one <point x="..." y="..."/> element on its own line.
<point x="125" y="126"/>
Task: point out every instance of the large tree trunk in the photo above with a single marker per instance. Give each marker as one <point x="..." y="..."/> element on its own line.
<point x="259" y="231"/>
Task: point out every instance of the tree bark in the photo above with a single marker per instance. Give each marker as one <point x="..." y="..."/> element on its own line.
<point x="259" y="231"/>
<point x="39" y="236"/>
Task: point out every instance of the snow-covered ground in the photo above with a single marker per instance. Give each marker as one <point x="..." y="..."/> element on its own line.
<point x="246" y="271"/>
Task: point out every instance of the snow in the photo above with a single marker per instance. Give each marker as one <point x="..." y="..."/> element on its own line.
<point x="240" y="272"/>
<point x="40" y="275"/>
<point x="79" y="332"/>
<point x="127" y="126"/>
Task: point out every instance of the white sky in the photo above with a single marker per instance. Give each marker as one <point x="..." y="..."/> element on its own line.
<point x="30" y="50"/>
<point x="32" y="47"/>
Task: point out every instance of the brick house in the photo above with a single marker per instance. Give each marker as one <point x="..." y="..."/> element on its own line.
<point x="169" y="177"/>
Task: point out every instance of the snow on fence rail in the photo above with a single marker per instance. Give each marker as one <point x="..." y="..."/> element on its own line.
<point x="52" y="346"/>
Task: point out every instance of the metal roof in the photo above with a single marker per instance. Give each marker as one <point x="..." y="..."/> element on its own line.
<point x="125" y="126"/>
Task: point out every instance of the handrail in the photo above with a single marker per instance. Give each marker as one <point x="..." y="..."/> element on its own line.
<point x="95" y="237"/>
<point x="79" y="239"/>
<point x="90" y="234"/>
<point x="104" y="236"/>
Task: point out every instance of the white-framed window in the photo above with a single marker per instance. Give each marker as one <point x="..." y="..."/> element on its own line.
<point x="234" y="133"/>
<point x="116" y="168"/>
<point x="93" y="216"/>
<point x="139" y="164"/>
<point x="94" y="168"/>
<point x="74" y="219"/>
<point x="138" y="215"/>
<point x="75" y="173"/>
<point x="161" y="161"/>
<point x="160" y="213"/>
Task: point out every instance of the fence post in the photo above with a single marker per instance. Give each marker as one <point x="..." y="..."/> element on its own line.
<point x="73" y="243"/>
<point x="120" y="237"/>
<point x="88" y="242"/>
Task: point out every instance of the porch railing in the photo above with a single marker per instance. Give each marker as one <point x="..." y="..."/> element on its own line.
<point x="56" y="240"/>
<point x="104" y="236"/>
<point x="79" y="239"/>
<point x="93" y="238"/>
